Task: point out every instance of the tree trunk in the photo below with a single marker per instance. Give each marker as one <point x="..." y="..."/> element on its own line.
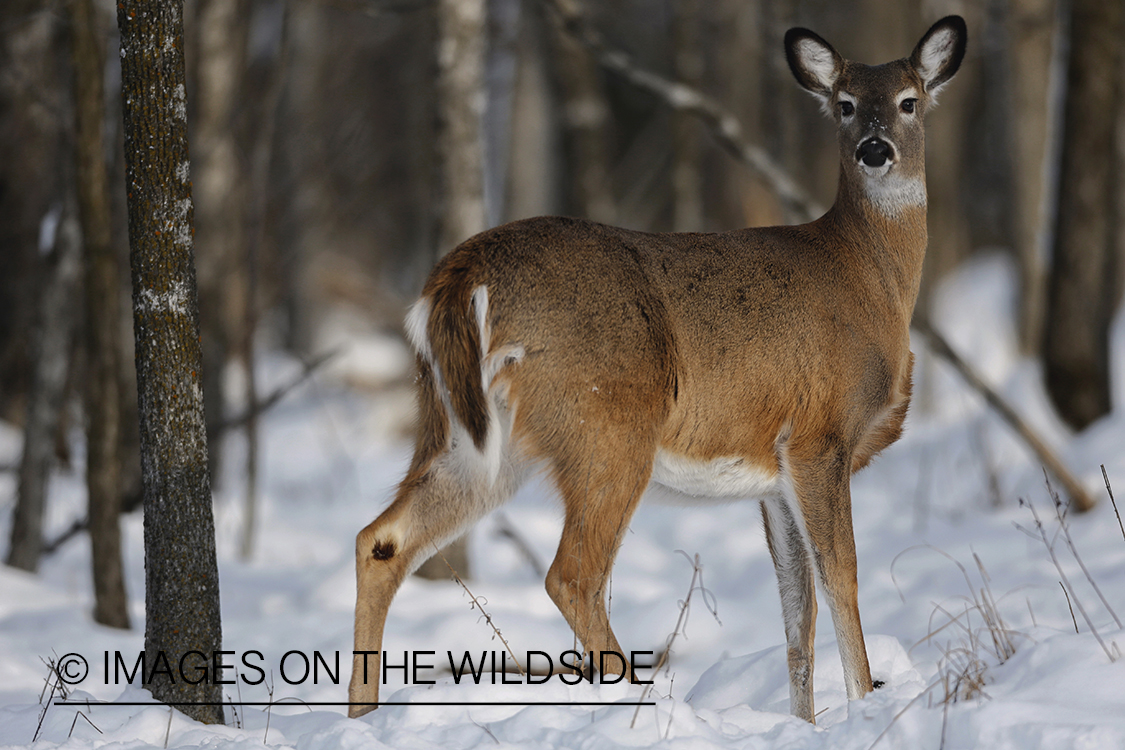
<point x="499" y="80"/>
<point x="51" y="358"/>
<point x="1031" y="31"/>
<point x="586" y="122"/>
<point x="258" y="207"/>
<point x="219" y="185"/>
<point x="1081" y="293"/>
<point x="181" y="576"/>
<point x="35" y="172"/>
<point x="103" y="419"/>
<point x="461" y="99"/>
<point x="687" y="181"/>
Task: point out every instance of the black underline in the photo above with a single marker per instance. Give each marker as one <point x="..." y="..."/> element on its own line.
<point x="298" y="702"/>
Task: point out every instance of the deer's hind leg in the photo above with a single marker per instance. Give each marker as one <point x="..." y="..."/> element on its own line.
<point x="599" y="499"/>
<point x="601" y="469"/>
<point x="450" y="486"/>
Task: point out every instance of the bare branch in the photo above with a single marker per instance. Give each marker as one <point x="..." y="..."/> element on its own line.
<point x="724" y="126"/>
<point x="255" y="410"/>
<point x="1078" y="495"/>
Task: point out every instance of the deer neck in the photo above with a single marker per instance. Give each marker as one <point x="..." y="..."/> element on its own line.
<point x="885" y="222"/>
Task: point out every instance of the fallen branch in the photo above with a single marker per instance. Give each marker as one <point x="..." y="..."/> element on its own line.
<point x="1051" y="462"/>
<point x="724" y="126"/>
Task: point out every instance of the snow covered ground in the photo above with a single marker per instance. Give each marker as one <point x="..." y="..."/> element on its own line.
<point x="924" y="507"/>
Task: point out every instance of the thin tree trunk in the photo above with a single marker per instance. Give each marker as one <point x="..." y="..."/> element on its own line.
<point x="1083" y="278"/>
<point x="500" y="75"/>
<point x="586" y="122"/>
<point x="687" y="182"/>
<point x="1031" y="30"/>
<point x="220" y="198"/>
<point x="461" y="99"/>
<point x="103" y="476"/>
<point x="54" y="329"/>
<point x="259" y="210"/>
<point x="181" y="575"/>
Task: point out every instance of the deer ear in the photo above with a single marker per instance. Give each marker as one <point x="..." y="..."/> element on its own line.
<point x="814" y="63"/>
<point x="938" y="55"/>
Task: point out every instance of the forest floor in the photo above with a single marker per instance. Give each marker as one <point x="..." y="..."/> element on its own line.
<point x="945" y="546"/>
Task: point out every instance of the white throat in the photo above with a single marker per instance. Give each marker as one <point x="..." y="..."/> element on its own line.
<point x="890" y="191"/>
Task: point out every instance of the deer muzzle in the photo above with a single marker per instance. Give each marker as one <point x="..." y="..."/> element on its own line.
<point x="875" y="152"/>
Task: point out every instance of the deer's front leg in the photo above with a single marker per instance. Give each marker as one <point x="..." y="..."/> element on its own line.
<point x="821" y="483"/>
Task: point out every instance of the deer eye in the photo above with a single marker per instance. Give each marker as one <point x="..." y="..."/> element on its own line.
<point x="847" y="108"/>
<point x="907" y="105"/>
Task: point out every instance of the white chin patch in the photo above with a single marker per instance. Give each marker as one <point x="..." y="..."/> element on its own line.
<point x="875" y="171"/>
<point x="891" y="192"/>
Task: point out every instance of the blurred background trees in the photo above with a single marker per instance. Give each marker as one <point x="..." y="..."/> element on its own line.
<point x="341" y="146"/>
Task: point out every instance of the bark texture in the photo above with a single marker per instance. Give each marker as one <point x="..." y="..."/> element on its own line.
<point x="1081" y="291"/>
<point x="181" y="577"/>
<point x="461" y="96"/>
<point x="102" y="275"/>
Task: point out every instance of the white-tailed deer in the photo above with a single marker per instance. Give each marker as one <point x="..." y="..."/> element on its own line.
<point x="766" y="363"/>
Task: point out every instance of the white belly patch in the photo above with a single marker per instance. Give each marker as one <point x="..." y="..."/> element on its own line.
<point x="725" y="476"/>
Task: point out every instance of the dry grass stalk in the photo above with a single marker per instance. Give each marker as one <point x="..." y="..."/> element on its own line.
<point x="1040" y="533"/>
<point x="1060" y="514"/>
<point x="965" y="660"/>
<point x="1112" y="501"/>
<point x="681" y="623"/>
<point x="480" y="608"/>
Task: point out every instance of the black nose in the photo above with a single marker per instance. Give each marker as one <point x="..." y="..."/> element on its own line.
<point x="874" y="152"/>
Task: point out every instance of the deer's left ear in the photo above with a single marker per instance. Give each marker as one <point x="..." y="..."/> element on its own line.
<point x="938" y="55"/>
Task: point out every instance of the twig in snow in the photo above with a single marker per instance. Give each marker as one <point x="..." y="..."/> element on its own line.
<point x="50" y="685"/>
<point x="269" y="707"/>
<point x="480" y="608"/>
<point x="485" y="729"/>
<point x="671" y="709"/>
<point x="1041" y="534"/>
<point x="681" y="622"/>
<point x="1060" y="514"/>
<point x="87" y="718"/>
<point x="1114" y="502"/>
<point x="1070" y="607"/>
<point x="894" y="720"/>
